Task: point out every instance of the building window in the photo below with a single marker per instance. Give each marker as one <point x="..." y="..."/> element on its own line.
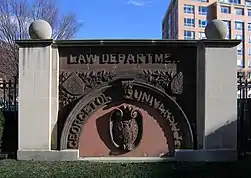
<point x="169" y="32"/>
<point x="202" y="35"/>
<point x="238" y="25"/>
<point x="239" y="11"/>
<point x="227" y="22"/>
<point x="249" y="51"/>
<point x="175" y="21"/>
<point x="249" y="26"/>
<point x="189" y="22"/>
<point x="225" y="10"/>
<point x="248" y="3"/>
<point x="164" y="35"/>
<point x="240" y="49"/>
<point x="235" y="1"/>
<point x="189" y="35"/>
<point x="249" y="66"/>
<point x="202" y="23"/>
<point x="231" y="1"/>
<point x="189" y="9"/>
<point x="202" y="10"/>
<point x="249" y="39"/>
<point x="249" y="12"/>
<point x="238" y="37"/>
<point x="240" y="63"/>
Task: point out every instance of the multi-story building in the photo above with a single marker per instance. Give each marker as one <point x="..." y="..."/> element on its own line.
<point x="187" y="19"/>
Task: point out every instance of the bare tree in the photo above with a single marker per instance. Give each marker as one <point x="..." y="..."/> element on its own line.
<point x="15" y="18"/>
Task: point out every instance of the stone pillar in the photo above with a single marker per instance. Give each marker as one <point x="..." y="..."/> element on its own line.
<point x="216" y="103"/>
<point x="35" y="75"/>
<point x="38" y="97"/>
<point x="217" y="95"/>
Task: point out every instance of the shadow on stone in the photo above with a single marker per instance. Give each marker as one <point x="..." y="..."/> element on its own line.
<point x="155" y="115"/>
<point x="102" y="124"/>
<point x="223" y="137"/>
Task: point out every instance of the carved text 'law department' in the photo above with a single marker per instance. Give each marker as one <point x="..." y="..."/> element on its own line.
<point x="140" y="58"/>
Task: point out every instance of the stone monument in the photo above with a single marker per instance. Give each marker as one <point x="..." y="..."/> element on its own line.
<point x="131" y="100"/>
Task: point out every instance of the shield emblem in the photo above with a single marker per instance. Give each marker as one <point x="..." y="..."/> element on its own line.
<point x="126" y="127"/>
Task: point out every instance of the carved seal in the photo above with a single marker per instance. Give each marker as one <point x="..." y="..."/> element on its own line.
<point x="134" y="91"/>
<point x="126" y="127"/>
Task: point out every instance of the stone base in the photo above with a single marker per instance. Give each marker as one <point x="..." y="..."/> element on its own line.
<point x="46" y="155"/>
<point x="127" y="159"/>
<point x="216" y="155"/>
<point x="180" y="155"/>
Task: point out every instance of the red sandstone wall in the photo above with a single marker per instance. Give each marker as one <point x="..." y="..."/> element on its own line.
<point x="95" y="140"/>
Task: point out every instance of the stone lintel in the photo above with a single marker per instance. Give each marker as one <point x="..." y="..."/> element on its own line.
<point x="34" y="43"/>
<point x="122" y="42"/>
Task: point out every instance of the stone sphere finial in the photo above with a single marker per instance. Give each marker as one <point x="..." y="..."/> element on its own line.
<point x="216" y="30"/>
<point x="40" y="29"/>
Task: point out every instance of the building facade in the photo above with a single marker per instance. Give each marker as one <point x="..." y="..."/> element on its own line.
<point x="187" y="19"/>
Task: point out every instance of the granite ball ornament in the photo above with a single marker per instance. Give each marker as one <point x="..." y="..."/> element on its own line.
<point x="216" y="30"/>
<point x="40" y="29"/>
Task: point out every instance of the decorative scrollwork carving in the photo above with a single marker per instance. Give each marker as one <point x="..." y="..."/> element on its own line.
<point x="66" y="98"/>
<point x="74" y="85"/>
<point x="126" y="127"/>
<point x="177" y="83"/>
<point x="164" y="79"/>
<point x="63" y="76"/>
<point x="95" y="78"/>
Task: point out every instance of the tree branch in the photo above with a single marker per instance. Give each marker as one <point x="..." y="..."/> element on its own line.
<point x="15" y="18"/>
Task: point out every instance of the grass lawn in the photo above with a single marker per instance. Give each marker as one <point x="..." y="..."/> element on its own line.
<point x="13" y="168"/>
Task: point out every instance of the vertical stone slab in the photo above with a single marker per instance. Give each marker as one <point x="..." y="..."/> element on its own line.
<point x="200" y="98"/>
<point x="35" y="95"/>
<point x="217" y="95"/>
<point x="54" y="95"/>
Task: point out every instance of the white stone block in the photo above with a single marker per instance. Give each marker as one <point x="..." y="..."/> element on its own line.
<point x="35" y="77"/>
<point x="217" y="97"/>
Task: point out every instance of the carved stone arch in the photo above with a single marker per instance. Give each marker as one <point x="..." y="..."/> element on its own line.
<point x="125" y="90"/>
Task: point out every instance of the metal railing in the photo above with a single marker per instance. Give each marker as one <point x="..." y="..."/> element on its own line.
<point x="9" y="95"/>
<point x="243" y="109"/>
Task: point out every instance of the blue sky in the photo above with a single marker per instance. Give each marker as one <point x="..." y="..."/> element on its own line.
<point x="111" y="19"/>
